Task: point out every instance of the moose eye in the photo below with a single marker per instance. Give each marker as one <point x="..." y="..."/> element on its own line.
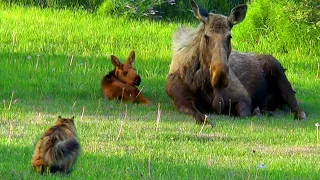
<point x="125" y="73"/>
<point x="229" y="39"/>
<point x="207" y="38"/>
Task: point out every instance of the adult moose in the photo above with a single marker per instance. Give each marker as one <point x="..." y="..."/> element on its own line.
<point x="205" y="76"/>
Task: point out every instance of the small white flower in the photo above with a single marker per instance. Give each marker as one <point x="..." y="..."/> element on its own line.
<point x="317" y="124"/>
<point x="53" y="69"/>
<point x="28" y="57"/>
<point x="261" y="166"/>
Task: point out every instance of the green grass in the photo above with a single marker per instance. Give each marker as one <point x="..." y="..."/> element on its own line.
<point x="36" y="50"/>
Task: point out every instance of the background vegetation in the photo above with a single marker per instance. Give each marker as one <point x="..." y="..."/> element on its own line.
<point x="52" y="60"/>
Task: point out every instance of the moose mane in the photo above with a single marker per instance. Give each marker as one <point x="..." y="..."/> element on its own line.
<point x="186" y="47"/>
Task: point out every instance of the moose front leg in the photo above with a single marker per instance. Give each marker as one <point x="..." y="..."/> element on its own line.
<point x="189" y="107"/>
<point x="243" y="109"/>
<point x="183" y="98"/>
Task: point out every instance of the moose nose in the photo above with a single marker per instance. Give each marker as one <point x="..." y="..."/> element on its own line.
<point x="220" y="73"/>
<point x="137" y="81"/>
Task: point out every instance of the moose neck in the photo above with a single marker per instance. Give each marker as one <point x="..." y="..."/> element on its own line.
<point x="114" y="75"/>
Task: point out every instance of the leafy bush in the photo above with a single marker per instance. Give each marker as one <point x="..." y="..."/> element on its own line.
<point x="134" y="9"/>
<point x="306" y="12"/>
<point x="283" y="25"/>
<point x="163" y="9"/>
<point x="86" y="4"/>
<point x="154" y="9"/>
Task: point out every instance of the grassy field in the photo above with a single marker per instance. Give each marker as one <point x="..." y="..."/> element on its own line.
<point x="52" y="62"/>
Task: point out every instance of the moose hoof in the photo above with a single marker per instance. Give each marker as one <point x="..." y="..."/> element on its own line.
<point x="211" y="123"/>
<point x="268" y="113"/>
<point x="300" y="115"/>
<point x="201" y="118"/>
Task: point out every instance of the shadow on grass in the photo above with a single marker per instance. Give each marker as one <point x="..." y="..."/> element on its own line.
<point x="15" y="164"/>
<point x="52" y="81"/>
<point x="54" y="84"/>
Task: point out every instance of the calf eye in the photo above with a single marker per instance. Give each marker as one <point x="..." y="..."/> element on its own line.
<point x="125" y="73"/>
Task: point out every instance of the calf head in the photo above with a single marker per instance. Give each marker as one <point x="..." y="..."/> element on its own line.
<point x="126" y="73"/>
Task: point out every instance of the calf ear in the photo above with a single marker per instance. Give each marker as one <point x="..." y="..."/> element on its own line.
<point x="199" y="12"/>
<point x="238" y="14"/>
<point x="131" y="57"/>
<point x="115" y="61"/>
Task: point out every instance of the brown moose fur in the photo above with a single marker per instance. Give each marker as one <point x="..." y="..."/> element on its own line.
<point x="121" y="82"/>
<point x="57" y="149"/>
<point x="264" y="79"/>
<point x="204" y="75"/>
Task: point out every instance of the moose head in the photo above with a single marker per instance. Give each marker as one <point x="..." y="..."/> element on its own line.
<point x="215" y="40"/>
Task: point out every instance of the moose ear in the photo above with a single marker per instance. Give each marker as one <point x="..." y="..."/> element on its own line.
<point x="115" y="61"/>
<point x="199" y="12"/>
<point x="131" y="57"/>
<point x="59" y="117"/>
<point x="238" y="14"/>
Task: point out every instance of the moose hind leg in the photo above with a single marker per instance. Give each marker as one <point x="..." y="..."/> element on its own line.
<point x="278" y="82"/>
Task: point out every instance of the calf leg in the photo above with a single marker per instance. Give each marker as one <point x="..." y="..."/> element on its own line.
<point x="142" y="99"/>
<point x="124" y="92"/>
<point x="279" y="83"/>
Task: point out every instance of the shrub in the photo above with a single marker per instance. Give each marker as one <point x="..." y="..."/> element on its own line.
<point x="90" y="5"/>
<point x="283" y="25"/>
<point x="305" y="12"/>
<point x="133" y="9"/>
<point x="163" y="9"/>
